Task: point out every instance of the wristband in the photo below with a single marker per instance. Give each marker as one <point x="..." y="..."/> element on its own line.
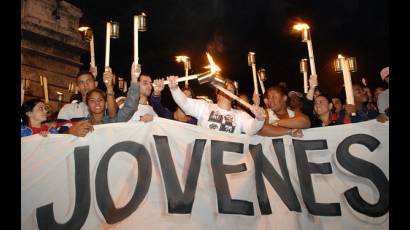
<point x="290" y="132"/>
<point x="110" y="94"/>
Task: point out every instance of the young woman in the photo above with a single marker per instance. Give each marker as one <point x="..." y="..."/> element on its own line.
<point x="34" y="114"/>
<point x="96" y="102"/>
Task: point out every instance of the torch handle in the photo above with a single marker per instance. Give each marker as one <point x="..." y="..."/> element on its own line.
<point x="233" y="96"/>
<point x="190" y="77"/>
<point x="255" y="83"/>
<point x="107" y="45"/>
<point x="311" y="57"/>
<point x="136" y="40"/>
<point x="45" y="88"/>
<point x="262" y="85"/>
<point x="186" y="75"/>
<point x="348" y="83"/>
<point x="22" y="91"/>
<point x="92" y="51"/>
<point x="305" y="82"/>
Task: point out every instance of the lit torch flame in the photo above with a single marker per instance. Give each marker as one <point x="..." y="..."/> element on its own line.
<point x="301" y="26"/>
<point x="212" y="66"/>
<point x="83" y="28"/>
<point x="181" y="58"/>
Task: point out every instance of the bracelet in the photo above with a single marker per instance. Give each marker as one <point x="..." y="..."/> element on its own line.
<point x="110" y="94"/>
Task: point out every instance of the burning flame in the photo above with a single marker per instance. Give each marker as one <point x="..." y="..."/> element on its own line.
<point x="83" y="28"/>
<point x="181" y="58"/>
<point x="339" y="56"/>
<point x="212" y="66"/>
<point x="301" y="26"/>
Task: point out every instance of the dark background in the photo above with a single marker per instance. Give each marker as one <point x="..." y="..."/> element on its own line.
<point x="230" y="29"/>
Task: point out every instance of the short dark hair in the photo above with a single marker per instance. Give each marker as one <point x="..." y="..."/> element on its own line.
<point x="278" y="88"/>
<point x="190" y="90"/>
<point x="227" y="81"/>
<point x="96" y="90"/>
<point x="84" y="73"/>
<point x="329" y="99"/>
<point x="28" y="106"/>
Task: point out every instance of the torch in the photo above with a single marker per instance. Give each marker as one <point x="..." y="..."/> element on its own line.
<point x="262" y="78"/>
<point x="306" y="38"/>
<point x="304" y="70"/>
<point x="204" y="77"/>
<point x="187" y="65"/>
<point x="346" y="65"/>
<point x="140" y="24"/>
<point x="113" y="31"/>
<point x="43" y="82"/>
<point x="252" y="63"/>
<point x="88" y="36"/>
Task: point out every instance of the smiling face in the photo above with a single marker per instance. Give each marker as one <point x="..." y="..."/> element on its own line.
<point x="38" y="114"/>
<point x="276" y="100"/>
<point x="96" y="102"/>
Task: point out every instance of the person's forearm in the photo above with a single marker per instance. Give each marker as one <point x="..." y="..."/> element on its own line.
<point x="159" y="108"/>
<point x="295" y="123"/>
<point x="130" y="105"/>
<point x="273" y="131"/>
<point x="111" y="103"/>
<point x="310" y="93"/>
<point x="180" y="99"/>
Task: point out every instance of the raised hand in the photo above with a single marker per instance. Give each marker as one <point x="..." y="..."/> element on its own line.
<point x="158" y="86"/>
<point x="313" y="81"/>
<point x="256" y="99"/>
<point x="135" y="72"/>
<point x="108" y="77"/>
<point x="173" y="84"/>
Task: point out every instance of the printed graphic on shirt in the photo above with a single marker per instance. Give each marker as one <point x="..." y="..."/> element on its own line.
<point x="224" y="123"/>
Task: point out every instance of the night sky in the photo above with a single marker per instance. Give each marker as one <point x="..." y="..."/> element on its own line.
<point x="230" y="29"/>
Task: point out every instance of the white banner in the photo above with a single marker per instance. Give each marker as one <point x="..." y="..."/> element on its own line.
<point x="171" y="175"/>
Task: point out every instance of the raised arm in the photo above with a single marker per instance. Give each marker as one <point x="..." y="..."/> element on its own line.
<point x="155" y="100"/>
<point x="190" y="106"/>
<point x="111" y="103"/>
<point x="299" y="121"/>
<point x="312" y="86"/>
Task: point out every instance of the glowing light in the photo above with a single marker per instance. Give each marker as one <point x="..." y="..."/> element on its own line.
<point x="301" y="26"/>
<point x="212" y="66"/>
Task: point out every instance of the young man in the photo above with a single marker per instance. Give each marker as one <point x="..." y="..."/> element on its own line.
<point x="145" y="112"/>
<point x="281" y="120"/>
<point x="361" y="111"/>
<point x="220" y="116"/>
<point x="73" y="116"/>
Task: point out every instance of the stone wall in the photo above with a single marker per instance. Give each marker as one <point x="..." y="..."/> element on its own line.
<point x="51" y="46"/>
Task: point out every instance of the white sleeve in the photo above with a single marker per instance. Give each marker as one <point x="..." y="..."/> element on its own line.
<point x="65" y="112"/>
<point x="382" y="102"/>
<point x="192" y="107"/>
<point x="250" y="125"/>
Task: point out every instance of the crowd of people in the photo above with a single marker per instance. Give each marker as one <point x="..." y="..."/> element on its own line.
<point x="283" y="112"/>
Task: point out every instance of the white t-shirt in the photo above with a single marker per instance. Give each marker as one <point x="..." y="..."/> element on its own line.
<point x="142" y="110"/>
<point x="73" y="110"/>
<point x="213" y="117"/>
<point x="273" y="117"/>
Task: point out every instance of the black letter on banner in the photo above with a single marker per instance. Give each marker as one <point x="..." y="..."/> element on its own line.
<point x="367" y="170"/>
<point x="282" y="186"/>
<point x="104" y="200"/>
<point x="225" y="202"/>
<point x="45" y="215"/>
<point x="178" y="201"/>
<point x="306" y="168"/>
